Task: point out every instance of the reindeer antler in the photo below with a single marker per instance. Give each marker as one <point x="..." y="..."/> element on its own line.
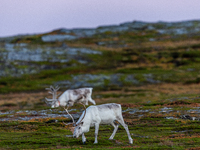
<point x="74" y="124"/>
<point x="70" y="116"/>
<point x="53" y="91"/>
<point x="84" y="113"/>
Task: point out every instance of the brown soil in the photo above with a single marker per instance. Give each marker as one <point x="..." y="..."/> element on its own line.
<point x="155" y="90"/>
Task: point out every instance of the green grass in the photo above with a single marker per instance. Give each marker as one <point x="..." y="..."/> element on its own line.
<point x="45" y="78"/>
<point x="171" y="59"/>
<point x="168" y="66"/>
<point x="152" y="132"/>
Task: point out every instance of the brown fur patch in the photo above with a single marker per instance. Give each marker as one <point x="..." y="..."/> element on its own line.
<point x="76" y="92"/>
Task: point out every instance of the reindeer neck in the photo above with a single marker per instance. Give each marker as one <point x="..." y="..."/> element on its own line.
<point x="58" y="103"/>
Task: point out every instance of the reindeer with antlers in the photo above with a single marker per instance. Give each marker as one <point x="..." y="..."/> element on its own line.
<point x="69" y="97"/>
<point x="96" y="115"/>
<point x="100" y="114"/>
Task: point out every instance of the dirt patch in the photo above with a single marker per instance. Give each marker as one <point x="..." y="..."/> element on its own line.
<point x="173" y="89"/>
<point x="21" y="100"/>
<point x="147" y="92"/>
<point x="182" y="103"/>
<point x="19" y="97"/>
<point x="179" y="103"/>
<point x="129" y="105"/>
<point x="195" y="148"/>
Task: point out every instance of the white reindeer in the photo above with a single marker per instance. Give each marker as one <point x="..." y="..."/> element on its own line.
<point x="100" y="114"/>
<point x="69" y="97"/>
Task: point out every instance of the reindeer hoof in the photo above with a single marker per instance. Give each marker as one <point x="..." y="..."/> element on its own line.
<point x="110" y="139"/>
<point x="131" y="141"/>
<point x="84" y="142"/>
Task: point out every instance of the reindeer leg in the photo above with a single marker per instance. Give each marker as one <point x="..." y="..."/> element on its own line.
<point x="96" y="132"/>
<point x="86" y="103"/>
<point x="92" y="101"/>
<point x="83" y="138"/>
<point x="115" y="130"/>
<point x="121" y="121"/>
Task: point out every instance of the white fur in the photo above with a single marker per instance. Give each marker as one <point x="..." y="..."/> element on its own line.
<point x="69" y="97"/>
<point x="100" y="114"/>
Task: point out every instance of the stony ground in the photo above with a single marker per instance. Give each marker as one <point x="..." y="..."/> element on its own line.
<point x="151" y="69"/>
<point x="160" y="116"/>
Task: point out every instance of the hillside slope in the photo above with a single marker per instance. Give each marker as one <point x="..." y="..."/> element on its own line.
<point x="129" y="54"/>
<point x="151" y="69"/>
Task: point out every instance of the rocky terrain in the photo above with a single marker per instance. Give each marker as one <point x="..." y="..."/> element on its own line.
<point x="19" y="50"/>
<point x="63" y="48"/>
<point x="151" y="69"/>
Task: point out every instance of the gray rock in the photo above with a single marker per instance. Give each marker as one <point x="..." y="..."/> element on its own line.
<point x="131" y="79"/>
<point x="15" y="55"/>
<point x="149" y="78"/>
<point x="54" y="38"/>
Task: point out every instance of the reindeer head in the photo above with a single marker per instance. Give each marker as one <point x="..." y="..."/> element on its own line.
<point x="54" y="101"/>
<point x="78" y="130"/>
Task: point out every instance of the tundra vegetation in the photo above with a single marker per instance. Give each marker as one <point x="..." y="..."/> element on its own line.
<point x="151" y="69"/>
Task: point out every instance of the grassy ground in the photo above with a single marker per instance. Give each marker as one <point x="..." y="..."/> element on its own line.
<point x="160" y="115"/>
<point x="154" y="114"/>
<point x="151" y="131"/>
